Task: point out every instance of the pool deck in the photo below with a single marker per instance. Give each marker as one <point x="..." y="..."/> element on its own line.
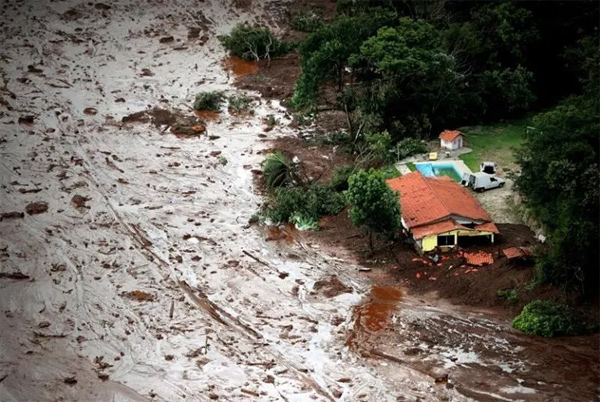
<point x="458" y="164"/>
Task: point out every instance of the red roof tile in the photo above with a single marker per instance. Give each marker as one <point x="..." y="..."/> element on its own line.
<point x="448" y="225"/>
<point x="479" y="259"/>
<point x="428" y="200"/>
<point x="450" y="136"/>
<point x="516" y="252"/>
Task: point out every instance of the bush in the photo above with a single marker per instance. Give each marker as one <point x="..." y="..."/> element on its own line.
<point x="547" y="318"/>
<point x="341" y="174"/>
<point x="279" y="171"/>
<point x="253" y="43"/>
<point x="239" y="102"/>
<point x="209" y="100"/>
<point x="409" y="147"/>
<point x="510" y="296"/>
<point x="306" y="21"/>
<point x="302" y="205"/>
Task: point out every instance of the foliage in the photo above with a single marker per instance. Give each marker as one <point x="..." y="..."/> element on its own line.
<point x="209" y="100"/>
<point x="411" y="166"/>
<point x="507" y="92"/>
<point x="549" y="319"/>
<point x="341" y="174"/>
<point x="406" y="76"/>
<point x="560" y="180"/>
<point x="271" y="120"/>
<point x="306" y="21"/>
<point x="306" y="203"/>
<point x="239" y="102"/>
<point x="510" y="296"/>
<point x="222" y="160"/>
<point x="253" y="43"/>
<point x="374" y="205"/>
<point x="377" y="150"/>
<point x="325" y="52"/>
<point x="279" y="171"/>
<point x="302" y="222"/>
<point x="409" y="147"/>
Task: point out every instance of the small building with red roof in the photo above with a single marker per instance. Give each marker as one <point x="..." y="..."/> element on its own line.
<point x="438" y="212"/>
<point x="452" y="139"/>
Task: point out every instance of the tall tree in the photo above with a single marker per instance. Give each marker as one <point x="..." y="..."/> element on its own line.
<point x="375" y="206"/>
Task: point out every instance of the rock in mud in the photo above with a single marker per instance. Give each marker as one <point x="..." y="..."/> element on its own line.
<point x="331" y="287"/>
<point x="166" y="39"/>
<point x="78" y="201"/>
<point x="90" y="111"/>
<point x="102" y="6"/>
<point x="28" y="120"/>
<point x="11" y="215"/>
<point x="36" y="208"/>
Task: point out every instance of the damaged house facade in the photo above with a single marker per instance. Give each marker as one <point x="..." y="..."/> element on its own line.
<point x="438" y="212"/>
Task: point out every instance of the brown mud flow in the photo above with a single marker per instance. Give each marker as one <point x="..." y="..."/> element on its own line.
<point x="286" y="234"/>
<point x="374" y="315"/>
<point x="239" y="67"/>
<point x="208" y="115"/>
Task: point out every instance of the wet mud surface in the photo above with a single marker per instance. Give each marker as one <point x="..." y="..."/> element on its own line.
<point x="129" y="271"/>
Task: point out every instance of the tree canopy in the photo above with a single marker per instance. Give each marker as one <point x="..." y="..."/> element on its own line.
<point x="374" y="205"/>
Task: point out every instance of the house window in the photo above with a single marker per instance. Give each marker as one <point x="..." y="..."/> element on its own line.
<point x="447" y="240"/>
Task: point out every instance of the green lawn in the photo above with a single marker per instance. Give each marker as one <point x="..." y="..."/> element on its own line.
<point x="493" y="143"/>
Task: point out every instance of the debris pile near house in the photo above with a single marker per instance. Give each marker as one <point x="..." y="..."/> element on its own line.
<point x="478" y="259"/>
<point x="517" y="252"/>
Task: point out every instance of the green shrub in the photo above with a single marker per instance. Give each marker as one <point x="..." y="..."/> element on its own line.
<point x="306" y="21"/>
<point x="339" y="181"/>
<point x="306" y="204"/>
<point x="409" y="147"/>
<point x="209" y="100"/>
<point x="271" y="121"/>
<point x="510" y="296"/>
<point x="239" y="102"/>
<point x="547" y="318"/>
<point x="253" y="43"/>
<point x="279" y="171"/>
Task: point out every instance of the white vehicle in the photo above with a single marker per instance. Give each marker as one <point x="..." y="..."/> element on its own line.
<point x="487" y="167"/>
<point x="481" y="181"/>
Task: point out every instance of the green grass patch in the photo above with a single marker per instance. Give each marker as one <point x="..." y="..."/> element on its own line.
<point x="390" y="171"/>
<point x="411" y="166"/>
<point x="494" y="143"/>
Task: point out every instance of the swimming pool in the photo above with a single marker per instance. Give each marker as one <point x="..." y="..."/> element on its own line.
<point x="439" y="169"/>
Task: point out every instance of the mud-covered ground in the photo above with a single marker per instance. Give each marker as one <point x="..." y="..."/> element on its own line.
<point x="129" y="272"/>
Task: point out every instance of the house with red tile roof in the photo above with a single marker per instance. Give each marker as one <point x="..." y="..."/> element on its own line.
<point x="438" y="212"/>
<point x="452" y="139"/>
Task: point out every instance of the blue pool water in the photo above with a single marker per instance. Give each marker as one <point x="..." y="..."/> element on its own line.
<point x="446" y="169"/>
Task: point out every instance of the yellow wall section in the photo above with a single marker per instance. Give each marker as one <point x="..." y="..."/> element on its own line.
<point x="430" y="242"/>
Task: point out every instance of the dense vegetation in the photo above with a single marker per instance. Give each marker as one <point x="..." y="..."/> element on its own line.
<point x="548" y="319"/>
<point x="374" y="205"/>
<point x="253" y="43"/>
<point x="411" y="68"/>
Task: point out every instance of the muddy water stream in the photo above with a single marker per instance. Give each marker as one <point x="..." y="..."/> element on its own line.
<point x="134" y="210"/>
